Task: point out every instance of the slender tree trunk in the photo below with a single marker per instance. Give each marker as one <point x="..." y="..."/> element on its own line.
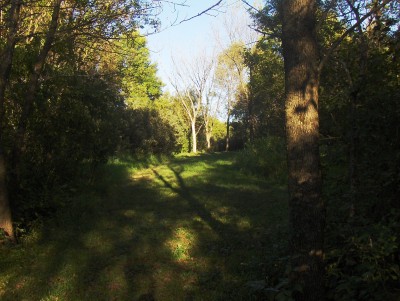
<point x="194" y="137"/>
<point x="251" y="120"/>
<point x="5" y="211"/>
<point x="208" y="139"/>
<point x="6" y="58"/>
<point x="208" y="127"/>
<point x="250" y="105"/>
<point x="307" y="210"/>
<point x="227" y="131"/>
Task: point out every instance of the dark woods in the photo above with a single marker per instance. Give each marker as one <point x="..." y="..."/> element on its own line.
<point x="355" y="67"/>
<point x="316" y="98"/>
<point x="63" y="70"/>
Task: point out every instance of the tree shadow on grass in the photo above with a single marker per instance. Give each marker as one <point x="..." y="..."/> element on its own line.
<point x="247" y="233"/>
<point x="134" y="241"/>
<point x="225" y="231"/>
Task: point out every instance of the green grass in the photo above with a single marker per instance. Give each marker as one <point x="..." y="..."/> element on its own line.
<point x="191" y="228"/>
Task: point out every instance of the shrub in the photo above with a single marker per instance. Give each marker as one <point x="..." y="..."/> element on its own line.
<point x="362" y="263"/>
<point x="145" y="132"/>
<point x="265" y="157"/>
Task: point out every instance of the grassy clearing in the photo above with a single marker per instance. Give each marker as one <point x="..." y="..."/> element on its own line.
<point x="194" y="228"/>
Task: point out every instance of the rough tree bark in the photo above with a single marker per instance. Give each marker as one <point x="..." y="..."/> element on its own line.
<point x="307" y="209"/>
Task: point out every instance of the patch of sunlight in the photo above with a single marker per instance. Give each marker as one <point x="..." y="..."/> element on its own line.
<point x="167" y="194"/>
<point x="241" y="187"/>
<point x="188" y="155"/>
<point x="182" y="241"/>
<point x="141" y="175"/>
<point x="223" y="214"/>
<point x="198" y="219"/>
<point x="98" y="241"/>
<point x="243" y="223"/>
<point x="129" y="213"/>
<point x="64" y="281"/>
<point x="127" y="232"/>
<point x="228" y="215"/>
<point x="50" y="298"/>
<point x="221" y="163"/>
<point x="201" y="225"/>
<point x="223" y="210"/>
<point x="24" y="284"/>
<point x="4" y="285"/>
<point x="33" y="237"/>
<point x="115" y="276"/>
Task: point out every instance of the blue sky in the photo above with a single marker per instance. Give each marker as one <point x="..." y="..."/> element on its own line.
<point x="190" y="37"/>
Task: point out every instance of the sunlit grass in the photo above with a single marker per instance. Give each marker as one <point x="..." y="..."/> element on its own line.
<point x="181" y="243"/>
<point x="189" y="228"/>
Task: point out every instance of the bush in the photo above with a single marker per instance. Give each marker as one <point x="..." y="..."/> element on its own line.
<point x="362" y="263"/>
<point x="145" y="132"/>
<point x="265" y="157"/>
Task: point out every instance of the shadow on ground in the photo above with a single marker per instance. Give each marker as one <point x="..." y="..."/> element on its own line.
<point x="195" y="229"/>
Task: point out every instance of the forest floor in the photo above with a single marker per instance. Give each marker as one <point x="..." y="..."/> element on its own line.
<point x="194" y="228"/>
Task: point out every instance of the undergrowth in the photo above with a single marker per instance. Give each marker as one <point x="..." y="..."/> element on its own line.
<point x="265" y="157"/>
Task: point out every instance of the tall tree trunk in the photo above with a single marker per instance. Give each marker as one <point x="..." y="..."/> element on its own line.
<point x="354" y="97"/>
<point x="208" y="127"/>
<point x="31" y="91"/>
<point x="208" y="139"/>
<point x="5" y="211"/>
<point x="251" y="120"/>
<point x="307" y="210"/>
<point x="250" y="106"/>
<point x="6" y="58"/>
<point x="227" y="131"/>
<point x="194" y="137"/>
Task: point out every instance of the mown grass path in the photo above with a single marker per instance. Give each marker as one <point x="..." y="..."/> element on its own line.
<point x="193" y="229"/>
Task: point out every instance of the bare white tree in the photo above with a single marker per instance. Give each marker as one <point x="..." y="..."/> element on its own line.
<point x="231" y="80"/>
<point x="192" y="82"/>
<point x="211" y="109"/>
<point x="232" y="73"/>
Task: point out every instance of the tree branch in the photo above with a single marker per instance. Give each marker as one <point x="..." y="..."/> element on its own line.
<point x="347" y="32"/>
<point x="203" y="12"/>
<point x="251" y="6"/>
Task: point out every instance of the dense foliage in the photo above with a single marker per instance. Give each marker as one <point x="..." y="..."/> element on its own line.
<point x="359" y="141"/>
<point x="75" y="78"/>
<point x="77" y="87"/>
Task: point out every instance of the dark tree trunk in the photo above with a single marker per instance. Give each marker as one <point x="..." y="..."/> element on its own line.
<point x="6" y="58"/>
<point x="307" y="210"/>
<point x="251" y="119"/>
<point x="250" y="109"/>
<point x="5" y="211"/>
